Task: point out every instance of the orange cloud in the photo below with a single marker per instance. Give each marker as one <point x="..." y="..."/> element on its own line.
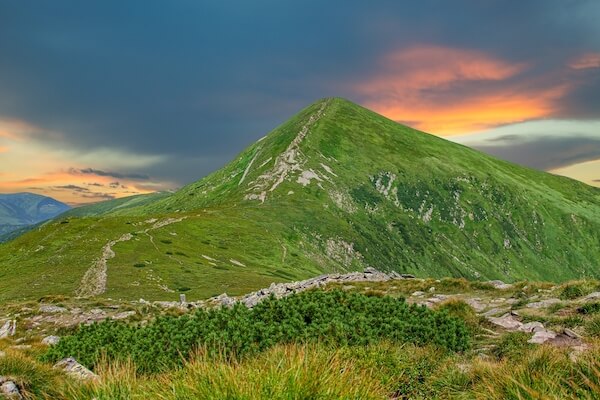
<point x="75" y="189"/>
<point x="454" y="91"/>
<point x="3" y="149"/>
<point x="586" y="61"/>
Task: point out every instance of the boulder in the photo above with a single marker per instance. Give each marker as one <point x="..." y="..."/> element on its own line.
<point x="476" y="304"/>
<point x="507" y="321"/>
<point x="418" y="293"/>
<point x="543" y="303"/>
<point x="500" y="285"/>
<point x="51" y="340"/>
<point x="72" y="368"/>
<point x="534" y="326"/>
<point x="542" y="336"/>
<point x="9" y="328"/>
<point x="9" y="389"/>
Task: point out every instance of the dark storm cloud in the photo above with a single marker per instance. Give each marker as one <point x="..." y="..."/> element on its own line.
<point x="198" y="81"/>
<point x="545" y="152"/>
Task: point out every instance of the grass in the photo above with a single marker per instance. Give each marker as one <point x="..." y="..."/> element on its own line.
<point x="489" y="219"/>
<point x="315" y="371"/>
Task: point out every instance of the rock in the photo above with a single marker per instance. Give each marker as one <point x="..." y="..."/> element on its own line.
<point x="418" y="293"/>
<point x="370" y="270"/>
<point x="8" y="329"/>
<point x="500" y="285"/>
<point x="568" y="332"/>
<point x="72" y="368"/>
<point x="407" y="276"/>
<point x="52" y="309"/>
<point x="2" y="354"/>
<point x="432" y="289"/>
<point x="507" y="321"/>
<point x="123" y="315"/>
<point x="9" y="389"/>
<point x="494" y="311"/>
<point x="225" y="300"/>
<point x="592" y="296"/>
<point x="542" y="336"/>
<point x="96" y="311"/>
<point x="534" y="326"/>
<point x="476" y="304"/>
<point x="543" y="303"/>
<point x="51" y="340"/>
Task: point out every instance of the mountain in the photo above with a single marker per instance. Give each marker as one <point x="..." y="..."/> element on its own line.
<point x="21" y="210"/>
<point x="335" y="188"/>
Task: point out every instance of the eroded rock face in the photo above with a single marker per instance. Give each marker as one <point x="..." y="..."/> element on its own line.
<point x="72" y="368"/>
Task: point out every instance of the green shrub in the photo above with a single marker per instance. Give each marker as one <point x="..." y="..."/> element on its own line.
<point x="330" y="317"/>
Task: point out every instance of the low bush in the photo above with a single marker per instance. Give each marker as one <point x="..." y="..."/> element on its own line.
<point x="330" y="317"/>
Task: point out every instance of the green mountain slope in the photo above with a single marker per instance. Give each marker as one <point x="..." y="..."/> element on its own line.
<point x="335" y="188"/>
<point x="20" y="210"/>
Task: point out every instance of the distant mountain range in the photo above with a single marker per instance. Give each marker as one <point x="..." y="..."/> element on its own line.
<point x="21" y="210"/>
<point x="335" y="188"/>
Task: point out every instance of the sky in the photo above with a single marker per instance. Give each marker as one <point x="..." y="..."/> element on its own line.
<point x="105" y="99"/>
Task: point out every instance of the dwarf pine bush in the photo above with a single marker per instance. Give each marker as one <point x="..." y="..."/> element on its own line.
<point x="331" y="317"/>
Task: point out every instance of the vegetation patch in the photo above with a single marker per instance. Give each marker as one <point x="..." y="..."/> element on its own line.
<point x="333" y="317"/>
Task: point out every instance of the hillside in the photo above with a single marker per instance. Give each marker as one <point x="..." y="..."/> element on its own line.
<point x="335" y="188"/>
<point x="20" y="210"/>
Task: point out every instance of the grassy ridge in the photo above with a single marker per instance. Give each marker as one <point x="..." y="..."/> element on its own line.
<point x="384" y="195"/>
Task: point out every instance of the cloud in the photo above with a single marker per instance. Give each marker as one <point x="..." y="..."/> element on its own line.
<point x="3" y="149"/>
<point x="545" y="153"/>
<point x="586" y="61"/>
<point x="97" y="172"/>
<point x="446" y="91"/>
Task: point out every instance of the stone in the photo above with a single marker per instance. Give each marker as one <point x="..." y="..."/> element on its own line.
<point x="476" y="304"/>
<point x="96" y="311"/>
<point x="9" y="389"/>
<point x="182" y="298"/>
<point x="568" y="332"/>
<point x="592" y="296"/>
<point x="8" y="329"/>
<point x="123" y="315"/>
<point x="72" y="368"/>
<point x="542" y="336"/>
<point x="497" y="284"/>
<point x="51" y="340"/>
<point x="2" y="354"/>
<point x="225" y="300"/>
<point x="534" y="326"/>
<point x="418" y="293"/>
<point x="507" y="321"/>
<point x="543" y="303"/>
<point x="52" y="309"/>
<point x="407" y="276"/>
<point x="432" y="289"/>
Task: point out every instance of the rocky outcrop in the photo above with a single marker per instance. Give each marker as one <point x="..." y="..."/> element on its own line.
<point x="51" y="340"/>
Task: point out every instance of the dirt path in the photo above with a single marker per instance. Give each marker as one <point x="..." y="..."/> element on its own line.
<point x="94" y="280"/>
